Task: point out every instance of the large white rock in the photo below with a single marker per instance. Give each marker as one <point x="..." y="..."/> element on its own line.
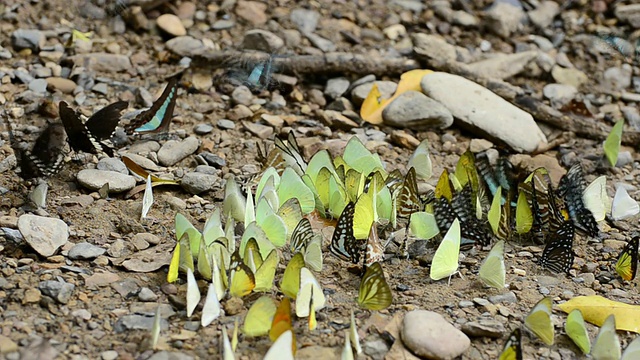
<point x="430" y="336"/>
<point x="483" y="110"/>
<point x="45" y="235"/>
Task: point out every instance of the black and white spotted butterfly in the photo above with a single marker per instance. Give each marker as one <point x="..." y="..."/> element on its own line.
<point x="558" y="253"/>
<point x="45" y="157"/>
<point x="93" y="135"/>
<point x="344" y="245"/>
<point x="571" y="188"/>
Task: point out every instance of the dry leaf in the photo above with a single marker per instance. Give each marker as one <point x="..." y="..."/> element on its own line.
<point x="371" y="110"/>
<point x="596" y="309"/>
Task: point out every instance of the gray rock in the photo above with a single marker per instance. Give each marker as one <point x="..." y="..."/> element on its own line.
<point x="203" y="129"/>
<point x="223" y="24"/>
<point x="137" y="322"/>
<point x="112" y="164"/>
<point x="126" y="288"/>
<point x="509" y="298"/>
<point x="85" y="251"/>
<point x="23" y="76"/>
<point x="503" y="66"/>
<point x="196" y="183"/>
<point x="262" y="40"/>
<point x="166" y="355"/>
<point x="100" y="88"/>
<point x="414" y="110"/>
<point x="174" y="150"/>
<point x="206" y="169"/>
<point x="376" y="349"/>
<point x="631" y="115"/>
<point x="213" y="160"/>
<point x="321" y="43"/>
<point x="147" y="295"/>
<point x="428" y="334"/>
<point x="27" y="39"/>
<point x="185" y="46"/>
<point x="615" y="78"/>
<point x="305" y="20"/>
<point x="59" y="290"/>
<point x="434" y="47"/>
<point x="336" y="87"/>
<point x="38" y="85"/>
<point x="226" y="124"/>
<point x="44" y="235"/>
<point x="484" y="327"/>
<point x="94" y="179"/>
<point x="504" y="19"/>
<point x="624" y="158"/>
<point x="103" y="62"/>
<point x="629" y="13"/>
<point x="543" y="15"/>
<point x="569" y="76"/>
<point x="146" y="163"/>
<point x="81" y="314"/>
<point x="559" y="94"/>
<point x="359" y="93"/>
<point x="242" y="95"/>
<point x="480" y="108"/>
<point x="109" y="355"/>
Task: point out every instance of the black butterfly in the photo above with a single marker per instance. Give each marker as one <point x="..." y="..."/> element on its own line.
<point x="502" y="175"/>
<point x="343" y="244"/>
<point x="627" y="264"/>
<point x="45" y="157"/>
<point x="558" y="254"/>
<point x="472" y="230"/>
<point x="408" y="200"/>
<point x="93" y="135"/>
<point x="571" y="187"/>
<point x="157" y="118"/>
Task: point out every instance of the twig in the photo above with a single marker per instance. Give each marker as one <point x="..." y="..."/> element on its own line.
<point x="330" y="63"/>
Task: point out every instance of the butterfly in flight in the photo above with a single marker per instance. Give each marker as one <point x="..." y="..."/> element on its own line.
<point x="45" y="157"/>
<point x="158" y="117"/>
<point x="558" y="255"/>
<point x="92" y="136"/>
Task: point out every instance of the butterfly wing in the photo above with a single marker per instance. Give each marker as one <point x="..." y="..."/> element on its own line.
<point x="512" y="349"/>
<point x="158" y="117"/>
<point x="258" y="320"/>
<point x="103" y="123"/>
<point x="445" y="260"/>
<point x="627" y="264"/>
<point x="539" y="321"/>
<point x="492" y="272"/>
<point x="607" y="344"/>
<point x="624" y="206"/>
<point x="575" y="328"/>
<point x="343" y="244"/>
<point x="78" y="135"/>
<point x="558" y="253"/>
<point x="408" y="200"/>
<point x="374" y="292"/>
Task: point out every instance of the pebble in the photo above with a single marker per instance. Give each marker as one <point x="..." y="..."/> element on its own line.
<point x="94" y="179"/>
<point x="259" y="130"/>
<point x="185" y="46"/>
<point x="252" y="11"/>
<point x="83" y="314"/>
<point x="306" y="20"/>
<point x="629" y="13"/>
<point x="126" y="288"/>
<point x="171" y="25"/>
<point x="615" y="78"/>
<point x="360" y="92"/>
<point x="173" y="355"/>
<point x="226" y="124"/>
<point x="336" y="87"/>
<point x="242" y="95"/>
<point x="321" y="43"/>
<point x="509" y="298"/>
<point x="478" y="107"/>
<point x="45" y="235"/>
<point x="542" y="16"/>
<point x="59" y="290"/>
<point x="414" y="110"/>
<point x="144" y="162"/>
<point x="7" y="345"/>
<point x="85" y="251"/>
<point x="109" y="355"/>
<point x="65" y="86"/>
<point x="503" y="18"/>
<point x="213" y="160"/>
<point x="262" y="40"/>
<point x="174" y="150"/>
<point x="223" y="24"/>
<point x="103" y="62"/>
<point x="569" y="76"/>
<point x="147" y="295"/>
<point x="429" y="335"/>
<point x="196" y="183"/>
<point x="203" y="129"/>
<point x="559" y="94"/>
<point x="38" y="86"/>
<point x="28" y="39"/>
<point x="137" y="322"/>
<point x="503" y="66"/>
<point x="112" y="164"/>
<point x="484" y="327"/>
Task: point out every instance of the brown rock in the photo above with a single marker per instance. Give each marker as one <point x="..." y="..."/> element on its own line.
<point x="171" y="24"/>
<point x="252" y="11"/>
<point x="64" y="85"/>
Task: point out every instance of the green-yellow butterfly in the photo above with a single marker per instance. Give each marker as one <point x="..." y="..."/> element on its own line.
<point x="524" y="216"/>
<point x="421" y="161"/>
<point x="495" y="211"/>
<point x="445" y="260"/>
<point x="539" y="321"/>
<point x="492" y="272"/>
<point x="632" y="351"/>
<point x="612" y="144"/>
<point x="291" y="185"/>
<point x="374" y="292"/>
<point x="577" y="331"/>
<point x="607" y="344"/>
<point x="290" y="283"/>
<point x="258" y="320"/>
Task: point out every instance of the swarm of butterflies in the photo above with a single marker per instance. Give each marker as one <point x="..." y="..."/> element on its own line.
<point x="45" y="157"/>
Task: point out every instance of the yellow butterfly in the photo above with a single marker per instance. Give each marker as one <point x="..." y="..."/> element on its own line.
<point x="291" y="278"/>
<point x="241" y="278"/>
<point x="492" y="272"/>
<point x="512" y="350"/>
<point x="575" y="328"/>
<point x="539" y="321"/>
<point x="374" y="292"/>
<point x="627" y="264"/>
<point x="258" y="320"/>
<point x="607" y="344"/>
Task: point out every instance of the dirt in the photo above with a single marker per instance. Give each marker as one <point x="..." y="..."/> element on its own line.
<point x="26" y="315"/>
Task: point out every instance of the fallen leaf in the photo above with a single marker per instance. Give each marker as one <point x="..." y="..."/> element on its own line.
<point x="373" y="105"/>
<point x="596" y="309"/>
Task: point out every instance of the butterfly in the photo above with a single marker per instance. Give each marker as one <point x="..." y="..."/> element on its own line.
<point x="91" y="136"/>
<point x="343" y="244"/>
<point x="571" y="187"/>
<point x="632" y="351"/>
<point x="623" y="206"/>
<point x="157" y="118"/>
<point x="258" y="320"/>
<point x="309" y="243"/>
<point x="242" y="281"/>
<point x="539" y="321"/>
<point x="575" y="328"/>
<point x="612" y="42"/>
<point x="193" y="293"/>
<point x="290" y="283"/>
<point x="607" y="344"/>
<point x="408" y="201"/>
<point x="512" y="349"/>
<point x="254" y="72"/>
<point x="627" y="263"/>
<point x="558" y="255"/>
<point x="261" y="76"/>
<point x="611" y="145"/>
<point x="492" y="272"/>
<point x="45" y="157"/>
<point x="211" y="309"/>
<point x="445" y="260"/>
<point x="375" y="249"/>
<point x="282" y="348"/>
<point x="281" y="320"/>
<point x="596" y="199"/>
<point x="290" y="152"/>
<point x="309" y="298"/>
<point x="473" y="230"/>
<point x="421" y="161"/>
<point x="374" y="292"/>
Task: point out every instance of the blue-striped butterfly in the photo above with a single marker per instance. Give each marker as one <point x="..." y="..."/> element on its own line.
<point x="158" y="117"/>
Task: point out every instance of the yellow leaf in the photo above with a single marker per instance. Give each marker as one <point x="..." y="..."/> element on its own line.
<point x="371" y="110"/>
<point x="596" y="309"/>
<point x="138" y="170"/>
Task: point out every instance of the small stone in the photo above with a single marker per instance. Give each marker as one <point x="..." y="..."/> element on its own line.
<point x="242" y="95"/>
<point x="85" y="251"/>
<point x="569" y="76"/>
<point x="185" y="46"/>
<point x="479" y="145"/>
<point x="223" y="24"/>
<point x="428" y="334"/>
<point x="94" y="179"/>
<point x="321" y="43"/>
<point x="7" y="345"/>
<point x="112" y="164"/>
<point x="65" y="86"/>
<point x="109" y="355"/>
<point x="38" y="86"/>
<point x="252" y="11"/>
<point x="543" y="15"/>
<point x="171" y="25"/>
<point x="233" y="306"/>
<point x="138" y="322"/>
<point x="82" y="314"/>
<point x="414" y="110"/>
<point x="196" y="183"/>
<point x="615" y="78"/>
<point x="259" y="130"/>
<point x="504" y="18"/>
<point x="147" y="237"/>
<point x="226" y="124"/>
<point x="31" y="296"/>
<point x="126" y="288"/>
<point x="262" y="40"/>
<point x="28" y="39"/>
<point x="45" y="235"/>
<point x="484" y="327"/>
<point x="173" y="150"/>
<point x="306" y="20"/>
<point x="147" y="295"/>
<point x="59" y="290"/>
<point x="559" y="94"/>
<point x="336" y="87"/>
<point x="360" y="92"/>
<point x="103" y="62"/>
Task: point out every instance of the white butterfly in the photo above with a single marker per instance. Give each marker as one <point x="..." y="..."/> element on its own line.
<point x="596" y="199"/>
<point x="624" y="206"/>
